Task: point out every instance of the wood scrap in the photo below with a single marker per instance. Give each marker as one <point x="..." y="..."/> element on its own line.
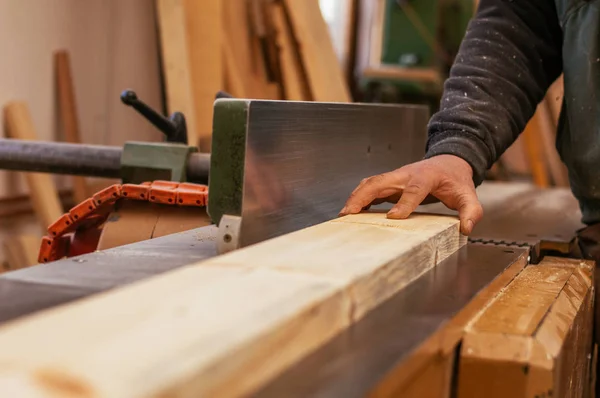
<point x="239" y="318"/>
<point x="68" y="114"/>
<point x="176" y="63"/>
<point x="325" y="75"/>
<point x="534" y="338"/>
<point x="203" y="21"/>
<point x="42" y="190"/>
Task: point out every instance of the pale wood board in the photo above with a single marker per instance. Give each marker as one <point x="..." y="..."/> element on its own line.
<point x="225" y="326"/>
<point x="177" y="63"/>
<point x="533" y="339"/>
<point x="324" y="72"/>
<point x="203" y="23"/>
<point x="42" y="190"/>
<point x="68" y="114"/>
<point x="294" y="81"/>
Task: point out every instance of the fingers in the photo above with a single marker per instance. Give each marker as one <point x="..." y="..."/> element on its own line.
<point x="369" y="190"/>
<point x="412" y="196"/>
<point x="470" y="211"/>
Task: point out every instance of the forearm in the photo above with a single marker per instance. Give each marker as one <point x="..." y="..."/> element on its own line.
<point x="510" y="55"/>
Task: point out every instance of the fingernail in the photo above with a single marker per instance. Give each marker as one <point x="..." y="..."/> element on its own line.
<point x="468" y="226"/>
<point x="394" y="213"/>
<point x="343" y="212"/>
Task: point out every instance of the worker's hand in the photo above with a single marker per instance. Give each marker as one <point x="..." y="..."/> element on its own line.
<point x="446" y="178"/>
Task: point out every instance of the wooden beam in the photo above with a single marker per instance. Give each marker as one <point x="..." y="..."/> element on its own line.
<point x="534" y="338"/>
<point x="294" y="80"/>
<point x="225" y="326"/>
<point x="237" y="35"/>
<point x="324" y="72"/>
<point x="43" y="193"/>
<point x="176" y="63"/>
<point x="68" y="114"/>
<point x="203" y="20"/>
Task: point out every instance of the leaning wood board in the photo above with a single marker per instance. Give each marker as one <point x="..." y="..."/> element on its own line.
<point x="42" y="190"/>
<point x="534" y="339"/>
<point x="176" y="63"/>
<point x="203" y="22"/>
<point x="225" y="326"/>
<point x="323" y="69"/>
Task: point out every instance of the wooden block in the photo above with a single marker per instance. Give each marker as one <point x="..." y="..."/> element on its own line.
<point x="176" y="62"/>
<point x="133" y="221"/>
<point x="42" y="190"/>
<point x="203" y="20"/>
<point x="175" y="219"/>
<point x="229" y="324"/>
<point x="325" y="75"/>
<point x="68" y="114"/>
<point x="293" y="76"/>
<point x="534" y="339"/>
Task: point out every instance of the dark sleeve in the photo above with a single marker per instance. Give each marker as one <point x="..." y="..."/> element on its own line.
<point x="510" y="55"/>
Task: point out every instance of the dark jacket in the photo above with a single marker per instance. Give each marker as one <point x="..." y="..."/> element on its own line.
<point x="513" y="50"/>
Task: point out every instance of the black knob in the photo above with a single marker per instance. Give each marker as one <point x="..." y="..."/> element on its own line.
<point x="174" y="128"/>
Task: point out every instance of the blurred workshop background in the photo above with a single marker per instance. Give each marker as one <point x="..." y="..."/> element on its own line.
<point x="67" y="61"/>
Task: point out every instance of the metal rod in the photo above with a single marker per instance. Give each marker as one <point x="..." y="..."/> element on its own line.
<point x="79" y="159"/>
<point x="60" y="158"/>
<point x="198" y="168"/>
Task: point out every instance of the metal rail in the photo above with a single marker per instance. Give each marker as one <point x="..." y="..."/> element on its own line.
<point x="79" y="159"/>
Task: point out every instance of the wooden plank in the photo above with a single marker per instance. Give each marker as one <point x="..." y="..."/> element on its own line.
<point x="534" y="339"/>
<point x="176" y="63"/>
<point x="534" y="150"/>
<point x="131" y="222"/>
<point x="294" y="80"/>
<point x="22" y="251"/>
<point x="68" y="114"/>
<point x="42" y="190"/>
<point x="227" y="325"/>
<point x="233" y="75"/>
<point x="203" y="23"/>
<point x="427" y="75"/>
<point x="325" y="75"/>
<point x="237" y="34"/>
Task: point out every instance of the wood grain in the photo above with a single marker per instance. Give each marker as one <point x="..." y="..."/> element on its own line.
<point x="325" y="75"/>
<point x="68" y="114"/>
<point x="227" y="325"/>
<point x="534" y="339"/>
<point x="42" y="190"/>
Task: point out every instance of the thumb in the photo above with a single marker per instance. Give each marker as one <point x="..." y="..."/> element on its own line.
<point x="470" y="211"/>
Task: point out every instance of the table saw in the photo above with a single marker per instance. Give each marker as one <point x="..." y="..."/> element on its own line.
<point x="278" y="167"/>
